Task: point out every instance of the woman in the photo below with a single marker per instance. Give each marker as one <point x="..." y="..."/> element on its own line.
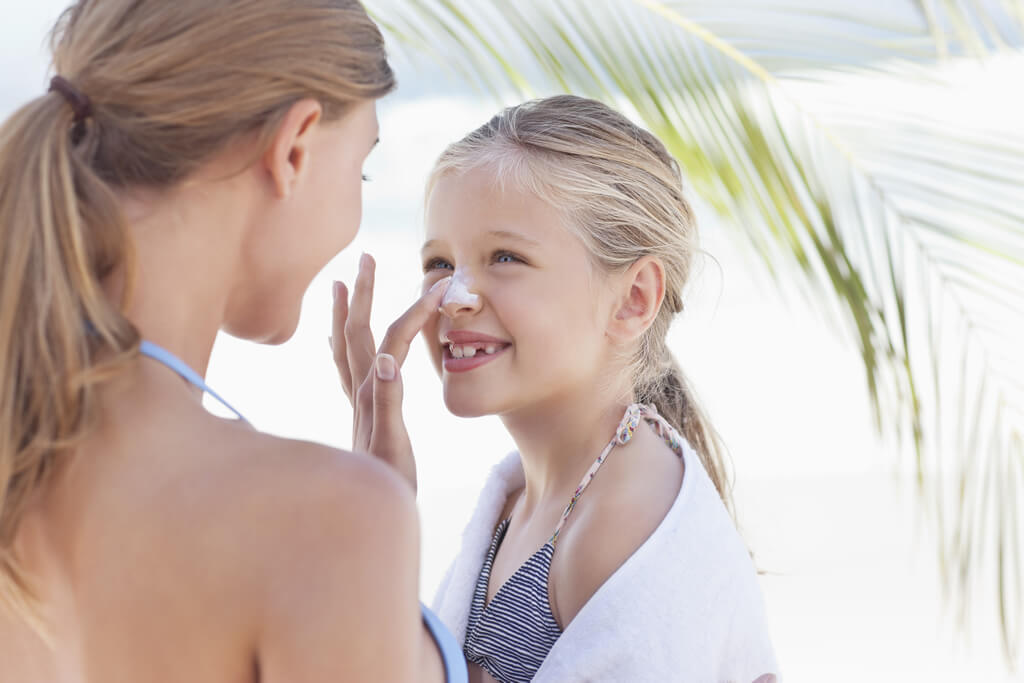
<point x="193" y="165"/>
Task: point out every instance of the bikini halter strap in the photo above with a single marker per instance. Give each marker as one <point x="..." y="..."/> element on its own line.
<point x="635" y="413"/>
<point x="165" y="357"/>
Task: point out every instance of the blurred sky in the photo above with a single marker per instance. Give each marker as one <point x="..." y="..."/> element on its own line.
<point x="828" y="509"/>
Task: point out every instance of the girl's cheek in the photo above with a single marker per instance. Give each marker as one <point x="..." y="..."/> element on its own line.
<point x="430" y="338"/>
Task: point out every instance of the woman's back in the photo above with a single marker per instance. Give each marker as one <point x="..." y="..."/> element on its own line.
<point x="154" y="196"/>
<point x="177" y="546"/>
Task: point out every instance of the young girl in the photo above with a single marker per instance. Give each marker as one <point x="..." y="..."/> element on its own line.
<point x="193" y="165"/>
<point x="604" y="549"/>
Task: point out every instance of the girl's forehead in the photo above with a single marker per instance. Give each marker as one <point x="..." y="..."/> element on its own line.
<point x="473" y="206"/>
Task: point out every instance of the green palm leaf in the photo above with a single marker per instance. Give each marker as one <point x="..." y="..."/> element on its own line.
<point x="902" y="222"/>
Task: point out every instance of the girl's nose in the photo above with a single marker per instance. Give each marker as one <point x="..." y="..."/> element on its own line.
<point x="459" y="299"/>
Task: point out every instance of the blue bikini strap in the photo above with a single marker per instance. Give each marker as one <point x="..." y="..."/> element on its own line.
<point x="162" y="355"/>
<point x="454" y="662"/>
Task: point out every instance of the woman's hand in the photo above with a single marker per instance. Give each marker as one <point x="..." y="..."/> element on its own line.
<point x="371" y="377"/>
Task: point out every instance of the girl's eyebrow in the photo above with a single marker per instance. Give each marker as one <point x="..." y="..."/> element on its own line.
<point x="514" y="236"/>
<point x="505" y="234"/>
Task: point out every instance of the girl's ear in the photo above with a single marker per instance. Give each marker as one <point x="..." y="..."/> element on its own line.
<point x="287" y="156"/>
<point x="641" y="289"/>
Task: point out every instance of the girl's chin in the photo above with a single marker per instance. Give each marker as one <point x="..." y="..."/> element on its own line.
<point x="466" y="406"/>
<point x="462" y="411"/>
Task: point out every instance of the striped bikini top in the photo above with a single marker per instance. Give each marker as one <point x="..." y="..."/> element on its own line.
<point x="511" y="636"/>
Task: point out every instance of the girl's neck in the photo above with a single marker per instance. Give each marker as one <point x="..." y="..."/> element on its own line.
<point x="558" y="442"/>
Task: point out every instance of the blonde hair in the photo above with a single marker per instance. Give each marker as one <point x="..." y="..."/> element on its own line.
<point x="171" y="85"/>
<point x="621" y="192"/>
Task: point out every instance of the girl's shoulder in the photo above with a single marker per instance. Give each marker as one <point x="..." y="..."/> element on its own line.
<point x="692" y="562"/>
<point x="626" y="503"/>
<point x="654" y="516"/>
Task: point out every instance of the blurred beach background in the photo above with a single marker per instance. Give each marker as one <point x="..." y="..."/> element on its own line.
<point x="829" y="508"/>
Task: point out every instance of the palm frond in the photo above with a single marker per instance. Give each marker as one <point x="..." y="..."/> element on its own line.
<point x="973" y="27"/>
<point x="900" y="215"/>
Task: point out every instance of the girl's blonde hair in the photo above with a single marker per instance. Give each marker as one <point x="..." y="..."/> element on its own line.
<point x="621" y="192"/>
<point x="172" y="83"/>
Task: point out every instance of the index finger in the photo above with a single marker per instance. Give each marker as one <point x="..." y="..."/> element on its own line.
<point x="403" y="331"/>
<point x="358" y="336"/>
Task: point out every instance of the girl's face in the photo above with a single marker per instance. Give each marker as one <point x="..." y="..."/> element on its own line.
<point x="534" y="333"/>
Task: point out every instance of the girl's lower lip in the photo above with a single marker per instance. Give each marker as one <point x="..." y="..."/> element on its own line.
<point x="452" y="364"/>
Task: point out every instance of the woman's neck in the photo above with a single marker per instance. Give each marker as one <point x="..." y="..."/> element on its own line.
<point x="180" y="295"/>
<point x="558" y="442"/>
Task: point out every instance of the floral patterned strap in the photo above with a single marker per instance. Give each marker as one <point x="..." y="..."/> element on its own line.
<point x="662" y="428"/>
<point x="627" y="427"/>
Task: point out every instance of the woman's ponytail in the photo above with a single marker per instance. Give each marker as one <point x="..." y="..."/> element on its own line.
<point x="60" y="232"/>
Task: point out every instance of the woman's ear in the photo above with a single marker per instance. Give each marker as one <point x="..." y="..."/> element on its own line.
<point x="287" y="156"/>
<point x="641" y="289"/>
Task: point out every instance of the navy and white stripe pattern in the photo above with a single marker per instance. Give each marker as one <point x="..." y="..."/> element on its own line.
<point x="511" y="636"/>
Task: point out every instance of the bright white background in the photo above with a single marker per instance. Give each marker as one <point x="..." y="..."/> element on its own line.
<point x="851" y="578"/>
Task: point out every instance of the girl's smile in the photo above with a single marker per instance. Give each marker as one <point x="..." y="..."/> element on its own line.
<point x="464" y="350"/>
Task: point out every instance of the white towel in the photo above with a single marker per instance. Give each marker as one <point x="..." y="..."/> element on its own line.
<point x="686" y="606"/>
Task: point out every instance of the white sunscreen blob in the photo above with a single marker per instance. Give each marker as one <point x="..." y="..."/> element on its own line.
<point x="458" y="290"/>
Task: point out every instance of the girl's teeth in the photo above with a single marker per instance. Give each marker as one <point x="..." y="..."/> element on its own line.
<point x="470" y="351"/>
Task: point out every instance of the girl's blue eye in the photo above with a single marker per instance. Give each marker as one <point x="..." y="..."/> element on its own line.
<point x="506" y="257"/>
<point x="435" y="264"/>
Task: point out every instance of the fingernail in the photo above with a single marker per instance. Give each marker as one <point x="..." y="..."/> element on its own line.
<point x="443" y="281"/>
<point x="336" y="289"/>
<point x="364" y="261"/>
<point x="386" y="366"/>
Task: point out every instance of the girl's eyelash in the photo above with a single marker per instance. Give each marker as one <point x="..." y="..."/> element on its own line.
<point x="500" y="254"/>
<point x="435" y="263"/>
<point x="366" y="178"/>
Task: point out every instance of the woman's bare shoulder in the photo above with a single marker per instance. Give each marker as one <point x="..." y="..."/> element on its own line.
<point x="253" y="504"/>
<point x="289" y="466"/>
<point x="296" y="494"/>
<point x="314" y="549"/>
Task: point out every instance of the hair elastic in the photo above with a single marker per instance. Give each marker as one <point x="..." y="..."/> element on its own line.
<point x="79" y="102"/>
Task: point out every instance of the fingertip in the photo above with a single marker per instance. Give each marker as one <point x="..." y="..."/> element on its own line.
<point x="387" y="369"/>
<point x="441" y="284"/>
